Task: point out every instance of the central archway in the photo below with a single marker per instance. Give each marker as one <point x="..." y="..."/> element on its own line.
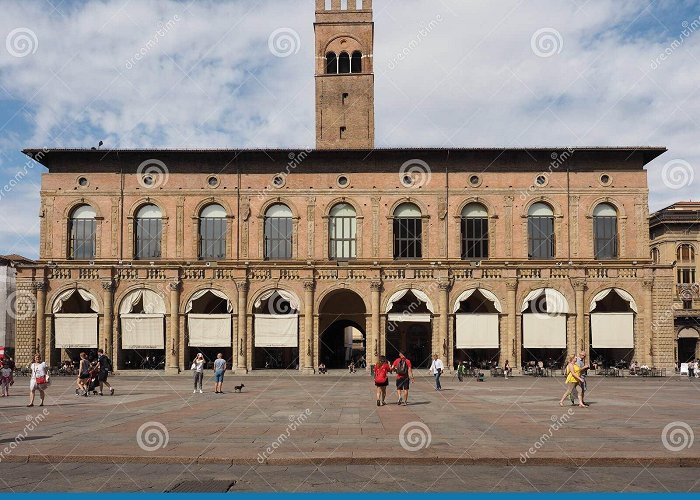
<point x="342" y="327"/>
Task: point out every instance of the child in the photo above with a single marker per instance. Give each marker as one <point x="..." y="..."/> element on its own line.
<point x="5" y="378"/>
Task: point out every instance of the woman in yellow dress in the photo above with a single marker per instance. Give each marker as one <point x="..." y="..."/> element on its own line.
<point x="573" y="380"/>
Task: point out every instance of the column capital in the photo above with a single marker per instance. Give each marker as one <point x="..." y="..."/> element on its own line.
<point x="174" y="286"/>
<point x="309" y="285"/>
<point x="242" y="285"/>
<point x="511" y="285"/>
<point x="376" y="285"/>
<point x="579" y="284"/>
<point x="39" y="285"/>
<point x="648" y="283"/>
<point x="108" y="286"/>
<point x="444" y="285"/>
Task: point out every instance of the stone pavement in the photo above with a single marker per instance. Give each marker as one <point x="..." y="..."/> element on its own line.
<point x="333" y="420"/>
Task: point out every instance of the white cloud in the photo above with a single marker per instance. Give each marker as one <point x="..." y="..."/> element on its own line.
<point x="473" y="80"/>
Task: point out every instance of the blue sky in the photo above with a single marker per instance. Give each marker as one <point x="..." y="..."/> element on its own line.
<point x="503" y="73"/>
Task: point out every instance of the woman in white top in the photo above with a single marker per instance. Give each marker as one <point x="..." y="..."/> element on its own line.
<point x="198" y="369"/>
<point x="39" y="380"/>
<point x="436" y="369"/>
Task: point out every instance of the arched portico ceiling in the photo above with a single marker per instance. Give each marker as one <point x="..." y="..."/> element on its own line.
<point x="486" y="293"/>
<point x="84" y="294"/>
<point x="556" y="302"/>
<point x="688" y="333"/>
<point x="623" y="294"/>
<point x="152" y="302"/>
<point x="201" y="293"/>
<point x="422" y="296"/>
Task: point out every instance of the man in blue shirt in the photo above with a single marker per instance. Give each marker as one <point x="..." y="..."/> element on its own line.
<point x="219" y="369"/>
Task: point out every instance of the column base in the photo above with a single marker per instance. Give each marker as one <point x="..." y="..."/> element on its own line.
<point x="307" y="371"/>
<point x="171" y="370"/>
<point x="240" y="371"/>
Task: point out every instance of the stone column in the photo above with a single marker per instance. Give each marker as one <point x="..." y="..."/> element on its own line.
<point x="40" y="337"/>
<point x="513" y="344"/>
<point x="647" y="334"/>
<point x="582" y="342"/>
<point x="242" y="325"/>
<point x="375" y="337"/>
<point x="443" y="341"/>
<point x="306" y="350"/>
<point x="172" y="336"/>
<point x="107" y="298"/>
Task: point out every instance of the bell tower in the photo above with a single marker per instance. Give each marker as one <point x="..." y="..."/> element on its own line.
<point x="344" y="74"/>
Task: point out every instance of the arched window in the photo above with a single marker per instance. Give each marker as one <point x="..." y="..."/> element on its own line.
<point x="212" y="232"/>
<point x="147" y="232"/>
<point x="605" y="231"/>
<point x="408" y="232"/>
<point x="475" y="232"/>
<point x="685" y="254"/>
<point x="344" y="63"/>
<point x="685" y="260"/>
<point x="342" y="227"/>
<point x="81" y="228"/>
<point x="356" y="62"/>
<point x="655" y="255"/>
<point x="540" y="231"/>
<point x="331" y="63"/>
<point x="278" y="232"/>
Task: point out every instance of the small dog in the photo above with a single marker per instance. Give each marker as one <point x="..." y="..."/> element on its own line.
<point x="238" y="388"/>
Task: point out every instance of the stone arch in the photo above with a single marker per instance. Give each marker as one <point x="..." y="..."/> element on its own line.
<point x="343" y="199"/>
<point x="359" y="239"/>
<point x="131" y="217"/>
<point x="73" y="204"/>
<point x="456" y="296"/>
<point x="325" y="294"/>
<point x="122" y="294"/>
<point x="278" y="200"/>
<point x="209" y="201"/>
<point x="334" y="45"/>
<point x="408" y="199"/>
<point x="250" y="307"/>
<point x="147" y="200"/>
<point x="295" y="224"/>
<point x="490" y="208"/>
<point x="556" y="208"/>
<point x="558" y="223"/>
<point x="232" y="297"/>
<point x="399" y="288"/>
<point x="541" y="286"/>
<point x="634" y="304"/>
<point x="619" y="207"/>
<point x="52" y="298"/>
<point x="230" y="229"/>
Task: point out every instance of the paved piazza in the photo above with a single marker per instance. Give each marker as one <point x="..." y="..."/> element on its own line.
<point x="329" y="429"/>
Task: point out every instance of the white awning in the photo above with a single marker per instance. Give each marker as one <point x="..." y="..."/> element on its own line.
<point x="419" y="295"/>
<point x="153" y="302"/>
<point x="626" y="296"/>
<point x="541" y="331"/>
<point x="75" y="331"/>
<point x="612" y="330"/>
<point x="276" y="330"/>
<point x="142" y="331"/>
<point x="477" y="331"/>
<point x="209" y="330"/>
<point x="288" y="296"/>
<point x="416" y="318"/>
<point x="688" y="333"/>
<point x="556" y="302"/>
<point x="86" y="296"/>
<point x="201" y="293"/>
<point x="486" y="293"/>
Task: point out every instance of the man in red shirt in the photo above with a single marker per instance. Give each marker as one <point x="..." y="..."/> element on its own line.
<point x="404" y="373"/>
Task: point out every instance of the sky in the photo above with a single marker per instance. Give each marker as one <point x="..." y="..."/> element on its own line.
<point x="449" y="73"/>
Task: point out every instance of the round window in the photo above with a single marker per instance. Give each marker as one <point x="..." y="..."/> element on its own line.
<point x="474" y="180"/>
<point x="278" y="181"/>
<point x="343" y="181"/>
<point x="212" y="181"/>
<point x="148" y="180"/>
<point x="541" y="180"/>
<point x="605" y="180"/>
<point x="407" y="180"/>
<point x="82" y="181"/>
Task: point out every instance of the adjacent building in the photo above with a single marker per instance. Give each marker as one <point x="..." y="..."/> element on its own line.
<point x="272" y="255"/>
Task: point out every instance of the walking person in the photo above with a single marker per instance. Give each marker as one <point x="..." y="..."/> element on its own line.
<point x="404" y="374"/>
<point x="83" y="376"/>
<point x="436" y="369"/>
<point x="219" y="369"/>
<point x="104" y="365"/>
<point x="461" y="371"/>
<point x="6" y="378"/>
<point x="39" y="381"/>
<point x="573" y="379"/>
<point x="381" y="379"/>
<point x="507" y="370"/>
<point x="198" y="372"/>
<point x="691" y="369"/>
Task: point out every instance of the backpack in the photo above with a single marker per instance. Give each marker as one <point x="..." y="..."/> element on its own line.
<point x="402" y="368"/>
<point x="380" y="376"/>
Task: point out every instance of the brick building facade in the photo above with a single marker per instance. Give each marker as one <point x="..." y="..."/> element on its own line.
<point x="272" y="256"/>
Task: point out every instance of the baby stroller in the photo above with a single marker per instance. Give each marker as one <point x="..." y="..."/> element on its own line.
<point x="92" y="382"/>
